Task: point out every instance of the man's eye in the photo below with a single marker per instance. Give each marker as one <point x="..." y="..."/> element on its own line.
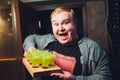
<point x="55" y="24"/>
<point x="67" y="22"/>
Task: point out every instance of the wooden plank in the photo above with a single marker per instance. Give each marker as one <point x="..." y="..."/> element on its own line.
<point x="39" y="71"/>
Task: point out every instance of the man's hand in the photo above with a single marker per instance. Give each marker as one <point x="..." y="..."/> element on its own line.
<point x="29" y="50"/>
<point x="65" y="75"/>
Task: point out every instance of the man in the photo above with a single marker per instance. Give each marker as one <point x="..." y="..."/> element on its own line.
<point x="79" y="57"/>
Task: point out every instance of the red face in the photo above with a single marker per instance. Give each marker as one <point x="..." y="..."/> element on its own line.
<point x="64" y="28"/>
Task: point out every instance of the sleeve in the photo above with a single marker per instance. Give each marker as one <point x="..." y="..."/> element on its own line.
<point x="98" y="65"/>
<point x="29" y="42"/>
<point x="38" y="41"/>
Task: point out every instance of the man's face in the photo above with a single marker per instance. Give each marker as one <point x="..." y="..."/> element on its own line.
<point x="64" y="28"/>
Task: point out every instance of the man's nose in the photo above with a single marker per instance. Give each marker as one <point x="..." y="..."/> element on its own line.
<point x="61" y="28"/>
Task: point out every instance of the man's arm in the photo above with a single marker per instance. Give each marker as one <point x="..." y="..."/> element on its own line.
<point x="37" y="41"/>
<point x="29" y="42"/>
<point x="98" y="64"/>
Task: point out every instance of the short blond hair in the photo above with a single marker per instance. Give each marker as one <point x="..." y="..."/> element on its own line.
<point x="61" y="9"/>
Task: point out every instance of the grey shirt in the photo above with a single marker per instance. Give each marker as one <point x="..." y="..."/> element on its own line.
<point x="95" y="65"/>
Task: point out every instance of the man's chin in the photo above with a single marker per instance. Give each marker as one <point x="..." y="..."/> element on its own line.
<point x="65" y="43"/>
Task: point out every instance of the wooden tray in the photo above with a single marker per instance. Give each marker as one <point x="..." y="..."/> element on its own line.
<point x="39" y="71"/>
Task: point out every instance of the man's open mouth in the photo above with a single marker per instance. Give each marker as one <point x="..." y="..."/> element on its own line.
<point x="63" y="34"/>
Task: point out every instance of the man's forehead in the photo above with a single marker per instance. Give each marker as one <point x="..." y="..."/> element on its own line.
<point x="61" y="16"/>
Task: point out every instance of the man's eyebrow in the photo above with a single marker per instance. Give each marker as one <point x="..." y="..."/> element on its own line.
<point x="53" y="20"/>
<point x="67" y="19"/>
